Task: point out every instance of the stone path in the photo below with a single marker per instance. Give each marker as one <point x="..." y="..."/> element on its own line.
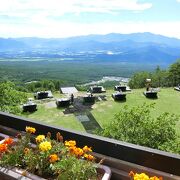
<point x="83" y="114"/>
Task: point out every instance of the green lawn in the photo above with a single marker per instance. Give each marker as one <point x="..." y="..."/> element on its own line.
<point x="103" y="111"/>
<point x="168" y="101"/>
<point x="54" y="116"/>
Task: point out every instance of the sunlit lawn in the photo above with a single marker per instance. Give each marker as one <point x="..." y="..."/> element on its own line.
<point x="103" y="111"/>
<point x="168" y="101"/>
<point x="53" y="116"/>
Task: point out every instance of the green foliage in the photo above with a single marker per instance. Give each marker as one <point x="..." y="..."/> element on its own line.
<point x="10" y="98"/>
<point x="43" y="85"/>
<point x="135" y="125"/>
<point x="109" y="84"/>
<point x="171" y="146"/>
<point x="160" y="78"/>
<point x="138" y="80"/>
<point x="82" y="88"/>
<point x="174" y="73"/>
<point x="73" y="168"/>
<point x="68" y="72"/>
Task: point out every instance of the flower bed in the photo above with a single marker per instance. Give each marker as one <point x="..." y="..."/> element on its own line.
<point x="50" y="159"/>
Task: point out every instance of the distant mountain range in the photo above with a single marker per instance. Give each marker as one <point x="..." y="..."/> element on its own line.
<point x="136" y="47"/>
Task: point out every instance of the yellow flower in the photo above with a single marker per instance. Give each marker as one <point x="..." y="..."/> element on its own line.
<point x="70" y="143"/>
<point x="53" y="158"/>
<point x="30" y="130"/>
<point x="143" y="176"/>
<point x="89" y="157"/>
<point x="40" y="138"/>
<point x="45" y="146"/>
<point x="87" y="149"/>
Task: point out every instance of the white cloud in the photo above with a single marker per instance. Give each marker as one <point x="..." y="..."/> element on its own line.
<point x="30" y="16"/>
<point x="33" y="18"/>
<point x="60" y="7"/>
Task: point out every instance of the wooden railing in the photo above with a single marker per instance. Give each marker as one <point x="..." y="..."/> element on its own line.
<point x="116" y="153"/>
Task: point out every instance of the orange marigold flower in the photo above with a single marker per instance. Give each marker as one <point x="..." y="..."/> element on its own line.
<point x="8" y="141"/>
<point x="3" y="147"/>
<point x="30" y="130"/>
<point x="87" y="149"/>
<point x="78" y="152"/>
<point x="70" y="143"/>
<point x="26" y="150"/>
<point x="89" y="157"/>
<point x="53" y="158"/>
<point x="155" y="178"/>
<point x="72" y="149"/>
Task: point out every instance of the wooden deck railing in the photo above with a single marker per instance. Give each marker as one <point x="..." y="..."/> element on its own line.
<point x="116" y="153"/>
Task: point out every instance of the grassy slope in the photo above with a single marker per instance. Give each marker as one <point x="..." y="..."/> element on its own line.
<point x="168" y="101"/>
<point x="54" y="116"/>
<point x="103" y="111"/>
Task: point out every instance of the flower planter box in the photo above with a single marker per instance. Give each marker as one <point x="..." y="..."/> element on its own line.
<point x="2" y="137"/>
<point x="103" y="172"/>
<point x="120" y="169"/>
<point x="15" y="173"/>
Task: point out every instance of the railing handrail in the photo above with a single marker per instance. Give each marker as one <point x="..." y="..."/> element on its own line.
<point x="152" y="158"/>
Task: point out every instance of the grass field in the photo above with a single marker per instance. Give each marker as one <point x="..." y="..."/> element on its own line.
<point x="103" y="111"/>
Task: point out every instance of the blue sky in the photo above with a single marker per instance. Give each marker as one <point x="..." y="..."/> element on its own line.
<point x="64" y="18"/>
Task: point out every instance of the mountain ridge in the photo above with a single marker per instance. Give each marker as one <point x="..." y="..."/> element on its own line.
<point x="141" y="47"/>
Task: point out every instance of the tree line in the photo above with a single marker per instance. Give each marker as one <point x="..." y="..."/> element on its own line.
<point x="160" y="78"/>
<point x="42" y="85"/>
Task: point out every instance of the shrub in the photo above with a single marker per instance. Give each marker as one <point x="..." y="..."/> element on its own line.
<point x="135" y="125"/>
